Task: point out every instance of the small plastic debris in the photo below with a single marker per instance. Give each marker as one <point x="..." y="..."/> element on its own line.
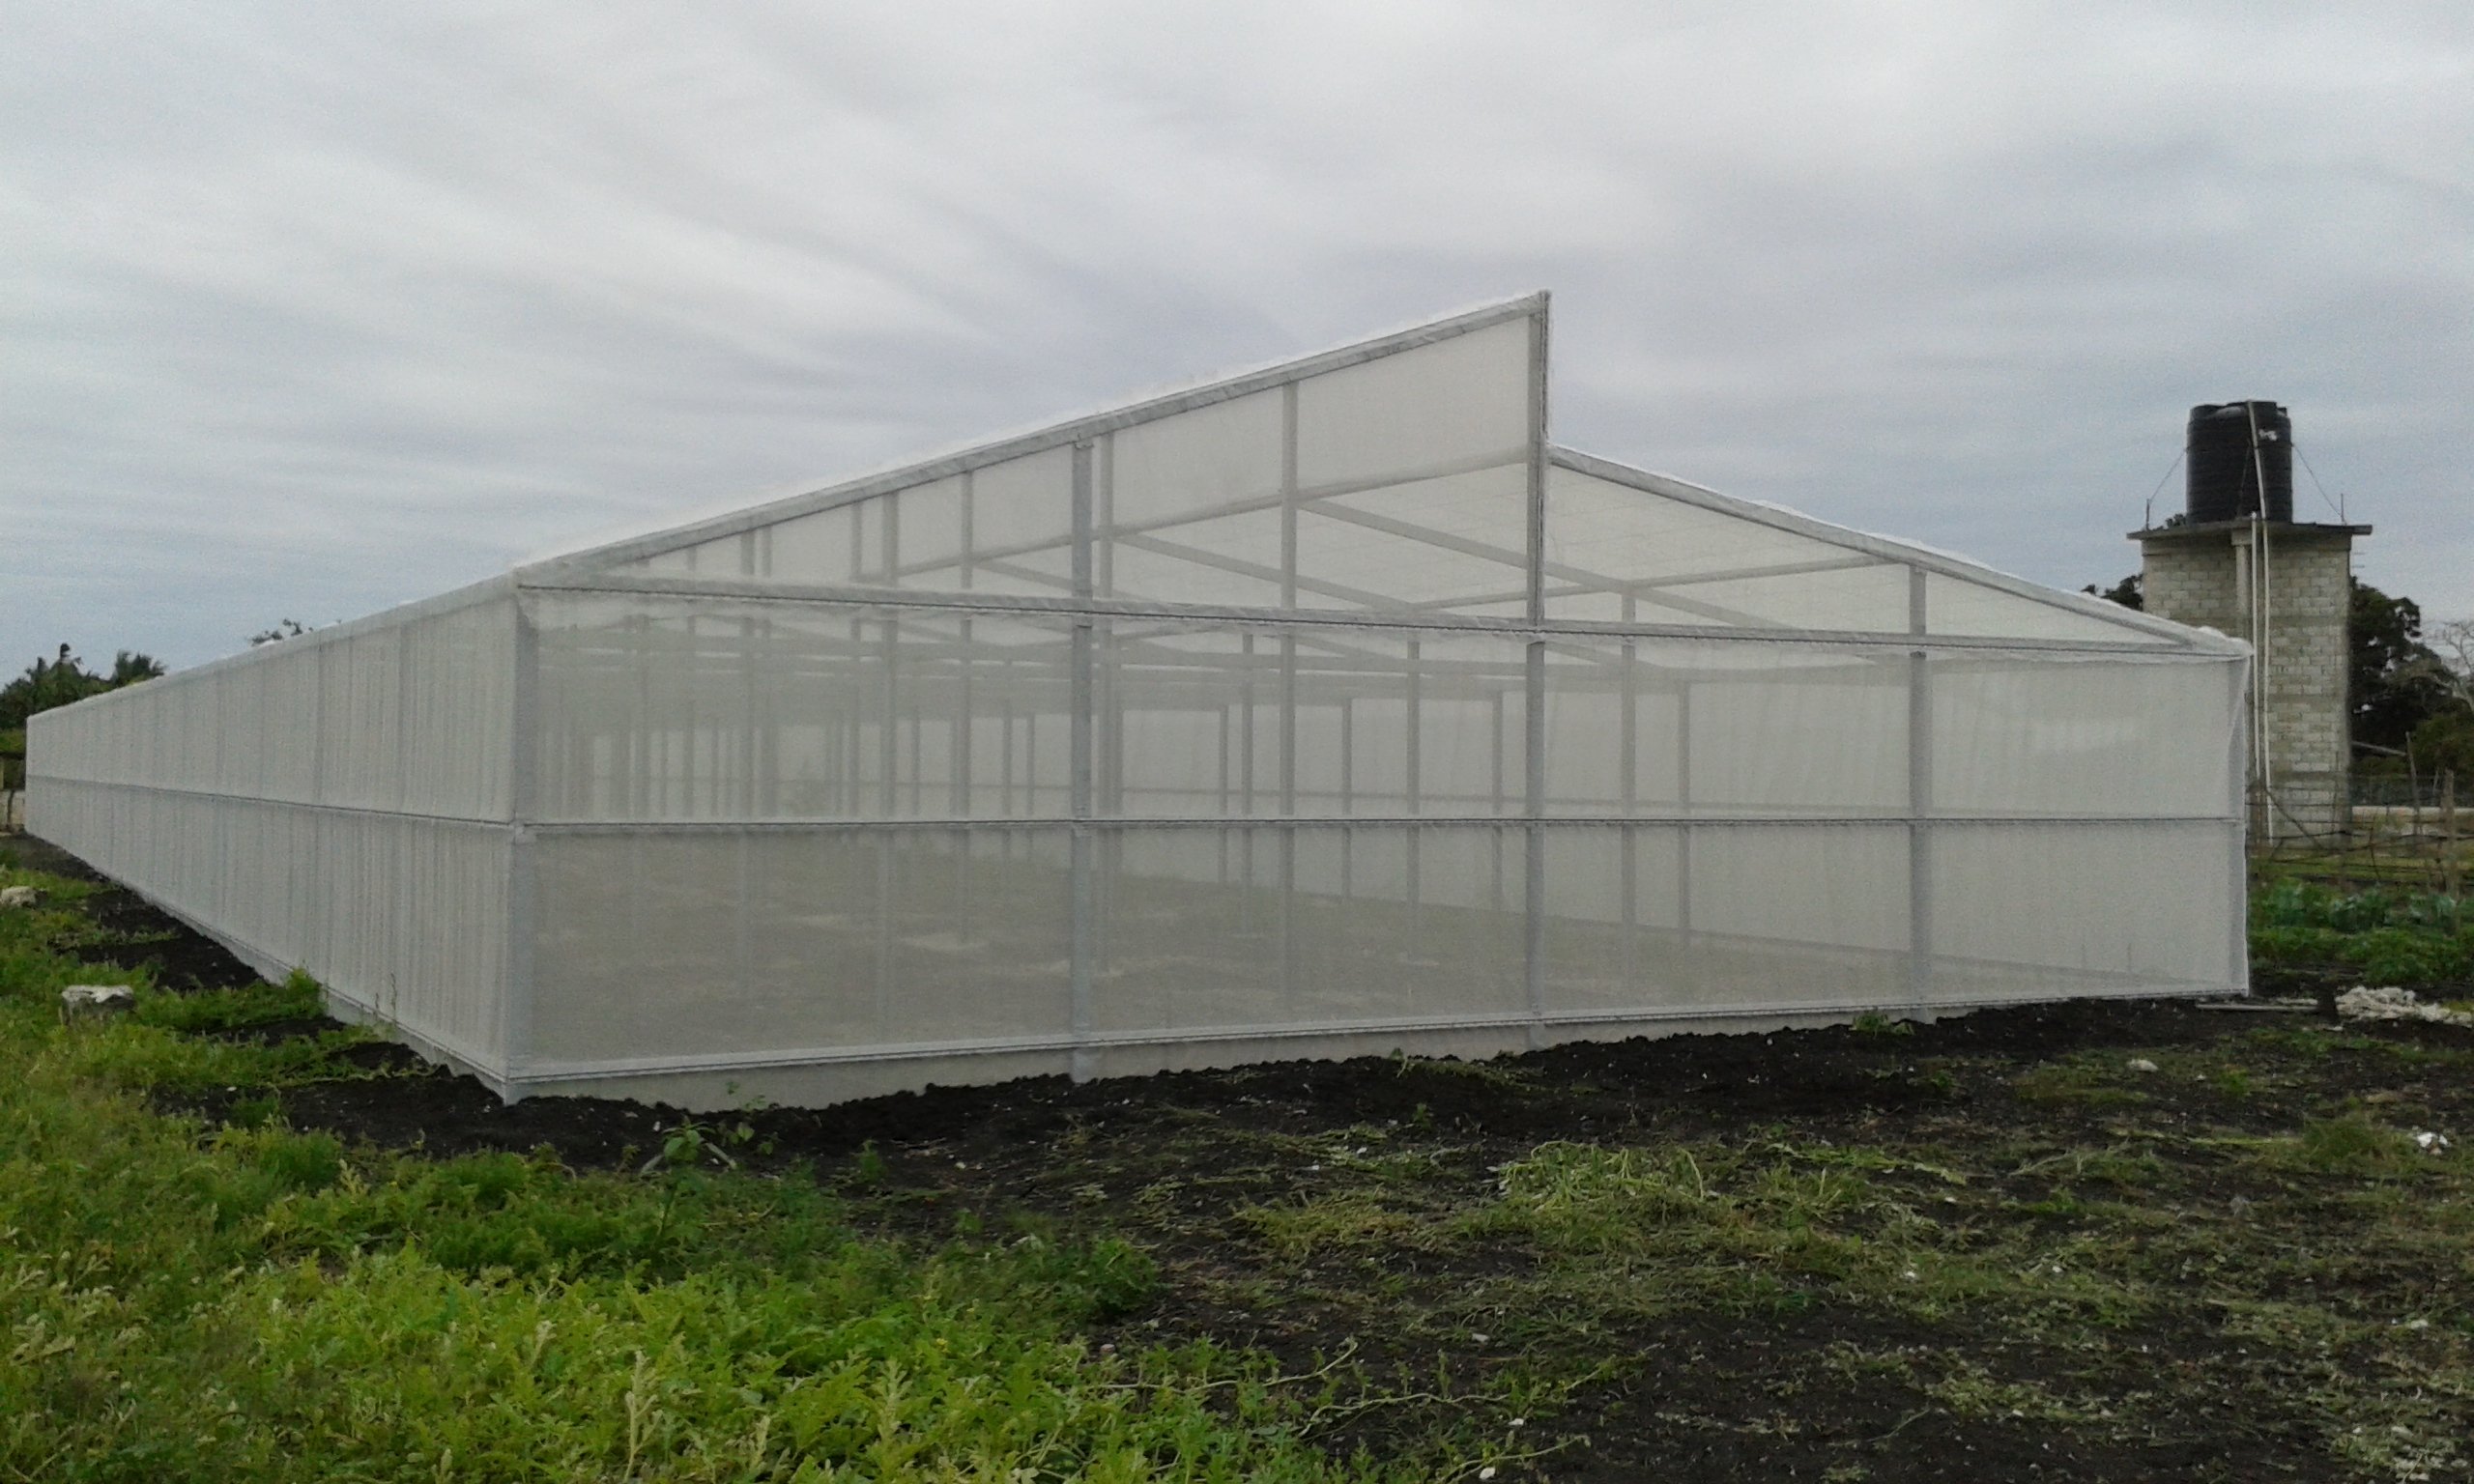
<point x="2142" y="1064"/>
<point x="19" y="896"/>
<point x="1478" y="1339"/>
<point x="2430" y="1143"/>
<point x="1486" y="1472"/>
<point x="79" y="1002"/>
<point x="2363" y="1003"/>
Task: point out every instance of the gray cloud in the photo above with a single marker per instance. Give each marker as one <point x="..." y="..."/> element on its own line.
<point x="308" y="312"/>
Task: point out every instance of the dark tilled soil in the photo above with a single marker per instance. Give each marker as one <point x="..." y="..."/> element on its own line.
<point x="1181" y="1161"/>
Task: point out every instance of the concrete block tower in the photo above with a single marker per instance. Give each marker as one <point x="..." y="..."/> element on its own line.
<point x="2238" y="562"/>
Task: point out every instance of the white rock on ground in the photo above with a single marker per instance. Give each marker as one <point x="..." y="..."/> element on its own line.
<point x="2392" y="1004"/>
<point x="19" y="896"/>
<point x="79" y="1001"/>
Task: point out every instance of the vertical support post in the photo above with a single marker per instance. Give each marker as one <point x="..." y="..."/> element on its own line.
<point x="640" y="746"/>
<point x="1495" y="758"/>
<point x="967" y="498"/>
<point x="1533" y="730"/>
<point x="2265" y="560"/>
<point x="2448" y="831"/>
<point x="325" y="680"/>
<point x="848" y="773"/>
<point x="1107" y="695"/>
<point x="1683" y="808"/>
<point x="1534" y="811"/>
<point x="1080" y="777"/>
<point x="1537" y="509"/>
<point x="1005" y="741"/>
<point x="888" y="802"/>
<point x="964" y="781"/>
<point x="888" y="730"/>
<point x="1290" y="989"/>
<point x="958" y="747"/>
<point x="1410" y="802"/>
<point x="1919" y="797"/>
<point x="1348" y="793"/>
<point x="524" y="727"/>
<point x="1246" y="784"/>
<point x="889" y="533"/>
<point x="918" y="749"/>
<point x="743" y="793"/>
<point x="1628" y="795"/>
<point x="958" y="763"/>
<point x="2237" y="796"/>
<point x="1288" y="495"/>
<point x="765" y="704"/>
<point x="752" y="701"/>
<point x="1104" y="516"/>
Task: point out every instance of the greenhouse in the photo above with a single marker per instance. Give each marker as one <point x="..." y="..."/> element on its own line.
<point x="1328" y="709"/>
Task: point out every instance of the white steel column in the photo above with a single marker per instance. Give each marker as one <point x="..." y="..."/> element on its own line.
<point x="1919" y="797"/>
<point x="1534" y="728"/>
<point x="515" y="1008"/>
<point x="1078" y="772"/>
<point x="1292" y="992"/>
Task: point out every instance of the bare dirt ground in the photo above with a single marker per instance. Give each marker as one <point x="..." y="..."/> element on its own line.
<point x="2091" y="1240"/>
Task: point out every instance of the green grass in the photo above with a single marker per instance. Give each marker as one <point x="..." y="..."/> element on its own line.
<point x="180" y="1301"/>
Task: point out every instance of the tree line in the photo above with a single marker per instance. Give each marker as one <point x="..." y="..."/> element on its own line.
<point x="56" y="682"/>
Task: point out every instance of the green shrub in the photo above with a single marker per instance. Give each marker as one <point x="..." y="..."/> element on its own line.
<point x="2406" y="955"/>
<point x="2380" y="934"/>
<point x="2351" y="1145"/>
<point x="296" y="998"/>
<point x="1103" y="1279"/>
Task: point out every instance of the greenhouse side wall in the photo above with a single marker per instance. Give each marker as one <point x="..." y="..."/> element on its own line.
<point x="337" y="803"/>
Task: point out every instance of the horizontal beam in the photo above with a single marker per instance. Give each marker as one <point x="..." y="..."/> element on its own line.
<point x="753" y="591"/>
<point x="1504" y="822"/>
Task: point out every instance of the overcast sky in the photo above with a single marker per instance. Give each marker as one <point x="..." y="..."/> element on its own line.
<point x="307" y="310"/>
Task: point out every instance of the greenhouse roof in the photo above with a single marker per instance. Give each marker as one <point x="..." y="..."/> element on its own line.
<point x="1407" y="476"/>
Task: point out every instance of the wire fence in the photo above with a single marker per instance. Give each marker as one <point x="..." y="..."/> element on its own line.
<point x="2427" y="790"/>
<point x="2413" y="834"/>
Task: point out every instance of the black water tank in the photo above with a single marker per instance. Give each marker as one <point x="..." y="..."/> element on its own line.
<point x="2225" y="465"/>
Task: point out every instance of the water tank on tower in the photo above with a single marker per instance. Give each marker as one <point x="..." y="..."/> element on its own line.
<point x="2234" y="448"/>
